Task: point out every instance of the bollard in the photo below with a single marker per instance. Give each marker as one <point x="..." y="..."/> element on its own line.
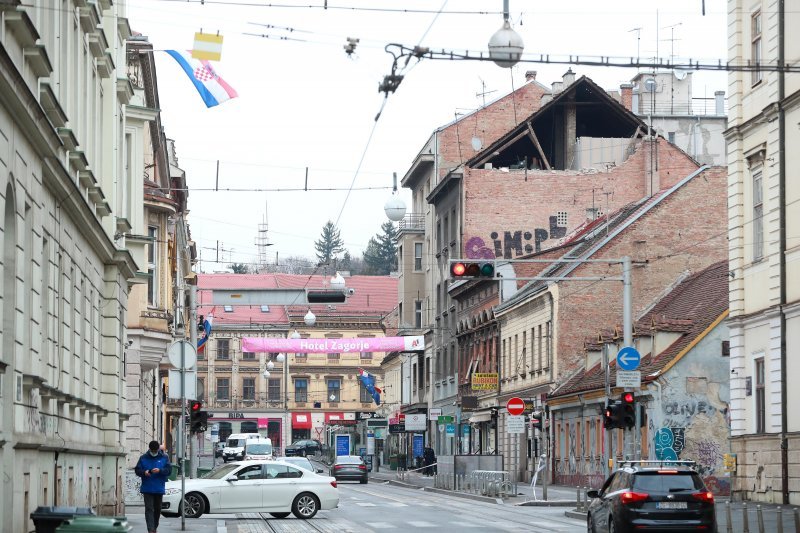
<point x="796" y="520"/>
<point x="728" y="517"/>
<point x="779" y="516"/>
<point x="579" y="505"/>
<point x="745" y="522"/>
<point x="760" y="517"/>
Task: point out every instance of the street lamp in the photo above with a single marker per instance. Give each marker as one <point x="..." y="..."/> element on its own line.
<point x="284" y="358"/>
<point x="506" y="46"/>
<point x="310" y="319"/>
<point x="395" y="207"/>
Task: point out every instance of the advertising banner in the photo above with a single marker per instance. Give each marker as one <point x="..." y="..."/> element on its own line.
<point x="485" y="381"/>
<point x="342" y="445"/>
<point x="418" y="445"/>
<point x="361" y="344"/>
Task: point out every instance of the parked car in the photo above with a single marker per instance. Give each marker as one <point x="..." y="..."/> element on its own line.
<point x="303" y="448"/>
<point x="349" y="467"/>
<point x="272" y="487"/>
<point x="652" y="495"/>
<point x="302" y="462"/>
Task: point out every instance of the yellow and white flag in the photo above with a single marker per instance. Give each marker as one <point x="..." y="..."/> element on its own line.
<point x="207" y="47"/>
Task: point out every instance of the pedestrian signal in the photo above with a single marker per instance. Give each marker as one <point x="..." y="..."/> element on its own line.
<point x="472" y="269"/>
<point x="198" y="419"/>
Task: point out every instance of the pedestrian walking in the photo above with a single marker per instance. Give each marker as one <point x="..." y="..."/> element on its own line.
<point x="429" y="457"/>
<point x="154" y="468"/>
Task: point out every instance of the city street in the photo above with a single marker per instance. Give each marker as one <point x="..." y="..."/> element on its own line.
<point x="384" y="507"/>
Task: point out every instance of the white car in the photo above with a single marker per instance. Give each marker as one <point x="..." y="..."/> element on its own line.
<point x="272" y="487"/>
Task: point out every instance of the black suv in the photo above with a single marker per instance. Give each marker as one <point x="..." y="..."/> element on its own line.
<point x="303" y="448"/>
<point x="652" y="495"/>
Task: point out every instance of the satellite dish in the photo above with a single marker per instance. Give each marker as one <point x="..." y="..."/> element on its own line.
<point x="680" y="74"/>
<point x="476" y="144"/>
<point x="650" y="85"/>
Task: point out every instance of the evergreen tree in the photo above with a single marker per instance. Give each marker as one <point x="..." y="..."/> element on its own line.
<point x="330" y="243"/>
<point x="380" y="257"/>
<point x="239" y="268"/>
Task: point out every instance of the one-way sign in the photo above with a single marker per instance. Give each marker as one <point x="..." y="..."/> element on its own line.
<point x="628" y="358"/>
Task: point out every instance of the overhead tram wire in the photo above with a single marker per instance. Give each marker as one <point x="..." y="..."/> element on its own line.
<point x="336" y="8"/>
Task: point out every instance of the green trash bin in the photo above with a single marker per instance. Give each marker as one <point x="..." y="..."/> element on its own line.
<point x="95" y="524"/>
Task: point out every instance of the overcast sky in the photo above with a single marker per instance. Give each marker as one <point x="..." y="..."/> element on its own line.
<point x="304" y="105"/>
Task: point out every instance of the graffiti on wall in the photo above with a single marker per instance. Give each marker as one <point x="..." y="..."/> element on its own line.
<point x="513" y="243"/>
<point x="669" y="443"/>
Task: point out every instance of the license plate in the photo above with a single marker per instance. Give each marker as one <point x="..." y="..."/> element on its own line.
<point x="671" y="505"/>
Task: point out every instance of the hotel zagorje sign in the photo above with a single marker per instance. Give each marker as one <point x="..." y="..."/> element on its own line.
<point x="484" y="381"/>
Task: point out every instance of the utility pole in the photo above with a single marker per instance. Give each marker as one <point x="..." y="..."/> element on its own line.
<point x="193" y="453"/>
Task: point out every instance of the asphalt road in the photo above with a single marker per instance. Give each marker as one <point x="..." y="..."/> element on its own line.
<point x="379" y="507"/>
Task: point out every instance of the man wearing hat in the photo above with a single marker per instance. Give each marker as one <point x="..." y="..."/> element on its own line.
<point x="154" y="469"/>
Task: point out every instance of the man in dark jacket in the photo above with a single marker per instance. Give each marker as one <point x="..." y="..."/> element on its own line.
<point x="154" y="469"/>
<point x="429" y="457"/>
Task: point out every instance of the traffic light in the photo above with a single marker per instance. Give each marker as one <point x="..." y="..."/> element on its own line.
<point x="537" y="420"/>
<point x="198" y="419"/>
<point x="628" y="415"/>
<point x="611" y="415"/>
<point x="472" y="269"/>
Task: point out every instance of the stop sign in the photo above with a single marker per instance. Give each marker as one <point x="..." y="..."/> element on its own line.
<point x="515" y="406"/>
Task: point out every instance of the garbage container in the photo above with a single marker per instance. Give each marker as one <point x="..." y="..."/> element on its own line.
<point x="47" y="519"/>
<point x="95" y="524"/>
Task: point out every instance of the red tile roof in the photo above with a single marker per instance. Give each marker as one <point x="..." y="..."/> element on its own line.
<point x="374" y="296"/>
<point x="691" y="308"/>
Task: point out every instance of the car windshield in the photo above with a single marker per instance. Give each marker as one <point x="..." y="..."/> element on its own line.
<point x="299" y="443"/>
<point x="302" y="462"/>
<point x="221" y="472"/>
<point x="235" y="443"/>
<point x="259" y="449"/>
<point x="348" y="460"/>
<point x="666" y="482"/>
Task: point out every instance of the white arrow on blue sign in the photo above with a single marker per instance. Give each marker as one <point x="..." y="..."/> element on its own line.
<point x="628" y="358"/>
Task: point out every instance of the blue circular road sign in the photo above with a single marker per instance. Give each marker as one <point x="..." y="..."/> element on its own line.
<point x="628" y="358"/>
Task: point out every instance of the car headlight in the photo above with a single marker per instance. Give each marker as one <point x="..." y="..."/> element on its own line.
<point x="172" y="491"/>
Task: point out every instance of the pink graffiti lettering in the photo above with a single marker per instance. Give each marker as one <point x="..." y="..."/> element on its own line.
<point x="476" y="249"/>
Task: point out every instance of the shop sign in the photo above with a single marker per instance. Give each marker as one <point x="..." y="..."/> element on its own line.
<point x="485" y="381"/>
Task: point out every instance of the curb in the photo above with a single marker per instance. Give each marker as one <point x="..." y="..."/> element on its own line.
<point x="465" y="495"/>
<point x="548" y="503"/>
<point x="575" y="514"/>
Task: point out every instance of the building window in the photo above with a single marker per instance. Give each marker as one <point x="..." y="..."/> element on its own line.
<point x="223" y="349"/>
<point x="758" y="216"/>
<point x="366" y="356"/>
<point x="414" y="376"/>
<point x="333" y="357"/>
<point x="366" y="397"/>
<point x="223" y="389"/>
<point x="201" y="389"/>
<point x="334" y="390"/>
<point x="417" y="313"/>
<point x="152" y="260"/>
<point x="671" y="137"/>
<point x="248" y="356"/>
<point x="228" y="308"/>
<point x="561" y="219"/>
<point x="755" y="46"/>
<point x="274" y="390"/>
<point x="761" y="413"/>
<point x="249" y="389"/>
<point x="417" y="256"/>
<point x="301" y="390"/>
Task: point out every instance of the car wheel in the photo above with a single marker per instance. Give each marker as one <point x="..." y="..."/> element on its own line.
<point x="194" y="505"/>
<point x="305" y="506"/>
<point x="590" y="524"/>
<point x="280" y="515"/>
<point x="364" y="481"/>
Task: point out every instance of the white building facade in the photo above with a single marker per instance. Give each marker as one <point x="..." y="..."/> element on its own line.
<point x="764" y="244"/>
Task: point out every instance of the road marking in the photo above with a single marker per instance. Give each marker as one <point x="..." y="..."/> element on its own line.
<point x="422" y="524"/>
<point x="381" y="525"/>
<point x="382" y="496"/>
<point x="465" y="524"/>
<point x="365" y="504"/>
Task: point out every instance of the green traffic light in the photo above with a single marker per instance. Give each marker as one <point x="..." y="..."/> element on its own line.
<point x="487" y="270"/>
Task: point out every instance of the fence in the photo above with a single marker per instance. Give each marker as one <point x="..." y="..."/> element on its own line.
<point x="493" y="483"/>
<point x="752" y="518"/>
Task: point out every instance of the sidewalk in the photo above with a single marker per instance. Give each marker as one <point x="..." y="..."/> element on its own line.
<point x="556" y="495"/>
<point x="204" y="524"/>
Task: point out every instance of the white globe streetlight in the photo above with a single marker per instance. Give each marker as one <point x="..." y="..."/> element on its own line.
<point x="310" y="319"/>
<point x="295" y="335"/>
<point x="270" y="365"/>
<point x="395" y="208"/>
<point x="266" y="373"/>
<point x="506" y="46"/>
<point x="337" y="282"/>
<point x="281" y="358"/>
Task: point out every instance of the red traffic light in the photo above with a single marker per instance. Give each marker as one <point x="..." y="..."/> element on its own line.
<point x="628" y="397"/>
<point x="466" y="269"/>
<point x="458" y="269"/>
<point x="195" y="406"/>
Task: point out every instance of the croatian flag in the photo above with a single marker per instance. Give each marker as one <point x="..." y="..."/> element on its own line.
<point x="368" y="380"/>
<point x="207" y="322"/>
<point x="213" y="89"/>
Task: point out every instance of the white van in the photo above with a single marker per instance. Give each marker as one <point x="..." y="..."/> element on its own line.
<point x="260" y="448"/>
<point x="234" y="446"/>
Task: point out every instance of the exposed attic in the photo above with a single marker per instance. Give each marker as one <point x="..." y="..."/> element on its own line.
<point x="579" y="127"/>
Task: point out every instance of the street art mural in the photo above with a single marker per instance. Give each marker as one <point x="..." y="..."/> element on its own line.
<point x="513" y="243"/>
<point x="669" y="443"/>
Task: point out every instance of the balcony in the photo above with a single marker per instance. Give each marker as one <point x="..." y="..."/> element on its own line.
<point x="412" y="222"/>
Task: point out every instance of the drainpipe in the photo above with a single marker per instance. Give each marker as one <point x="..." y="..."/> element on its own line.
<point x="782" y="247"/>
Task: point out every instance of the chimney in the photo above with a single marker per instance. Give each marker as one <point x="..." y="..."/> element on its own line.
<point x="568" y="77"/>
<point x="626" y="95"/>
<point x="530" y="75"/>
<point x="719" y="101"/>
<point x="558" y="86"/>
